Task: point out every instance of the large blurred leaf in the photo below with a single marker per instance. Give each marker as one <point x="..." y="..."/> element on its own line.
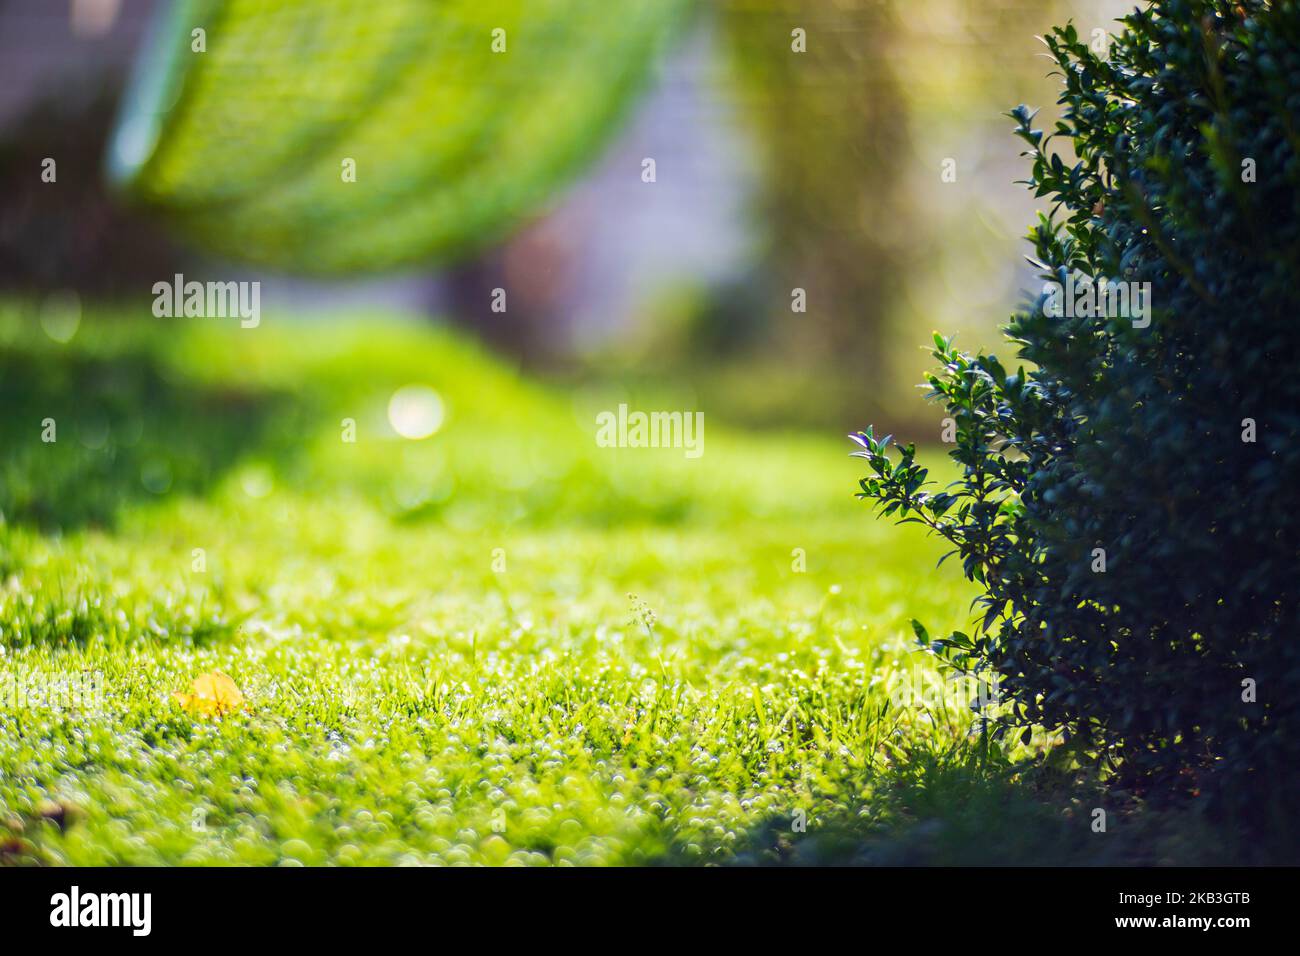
<point x="242" y="145"/>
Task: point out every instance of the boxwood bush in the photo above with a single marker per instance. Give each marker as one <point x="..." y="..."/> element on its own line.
<point x="1127" y="498"/>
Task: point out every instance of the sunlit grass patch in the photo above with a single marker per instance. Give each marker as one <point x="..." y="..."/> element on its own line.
<point x="497" y="644"/>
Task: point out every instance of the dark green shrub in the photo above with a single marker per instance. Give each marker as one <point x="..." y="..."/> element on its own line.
<point x="1135" y="439"/>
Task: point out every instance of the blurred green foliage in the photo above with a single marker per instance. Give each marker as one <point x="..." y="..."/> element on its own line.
<point x="1127" y="503"/>
<point x="456" y="130"/>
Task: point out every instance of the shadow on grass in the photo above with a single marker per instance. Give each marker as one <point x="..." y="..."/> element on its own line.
<point x="941" y="810"/>
<point x="122" y="430"/>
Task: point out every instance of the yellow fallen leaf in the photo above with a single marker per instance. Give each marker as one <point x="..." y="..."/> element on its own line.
<point x="212" y="694"/>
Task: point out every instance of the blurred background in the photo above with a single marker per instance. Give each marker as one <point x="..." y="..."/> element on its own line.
<point x="852" y="149"/>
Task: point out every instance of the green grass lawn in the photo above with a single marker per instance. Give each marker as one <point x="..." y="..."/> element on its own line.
<point x="500" y="644"/>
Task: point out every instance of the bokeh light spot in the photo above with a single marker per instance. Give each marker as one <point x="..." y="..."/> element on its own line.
<point x="415" y="411"/>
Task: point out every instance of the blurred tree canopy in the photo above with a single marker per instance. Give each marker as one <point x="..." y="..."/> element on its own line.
<point x="247" y="119"/>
